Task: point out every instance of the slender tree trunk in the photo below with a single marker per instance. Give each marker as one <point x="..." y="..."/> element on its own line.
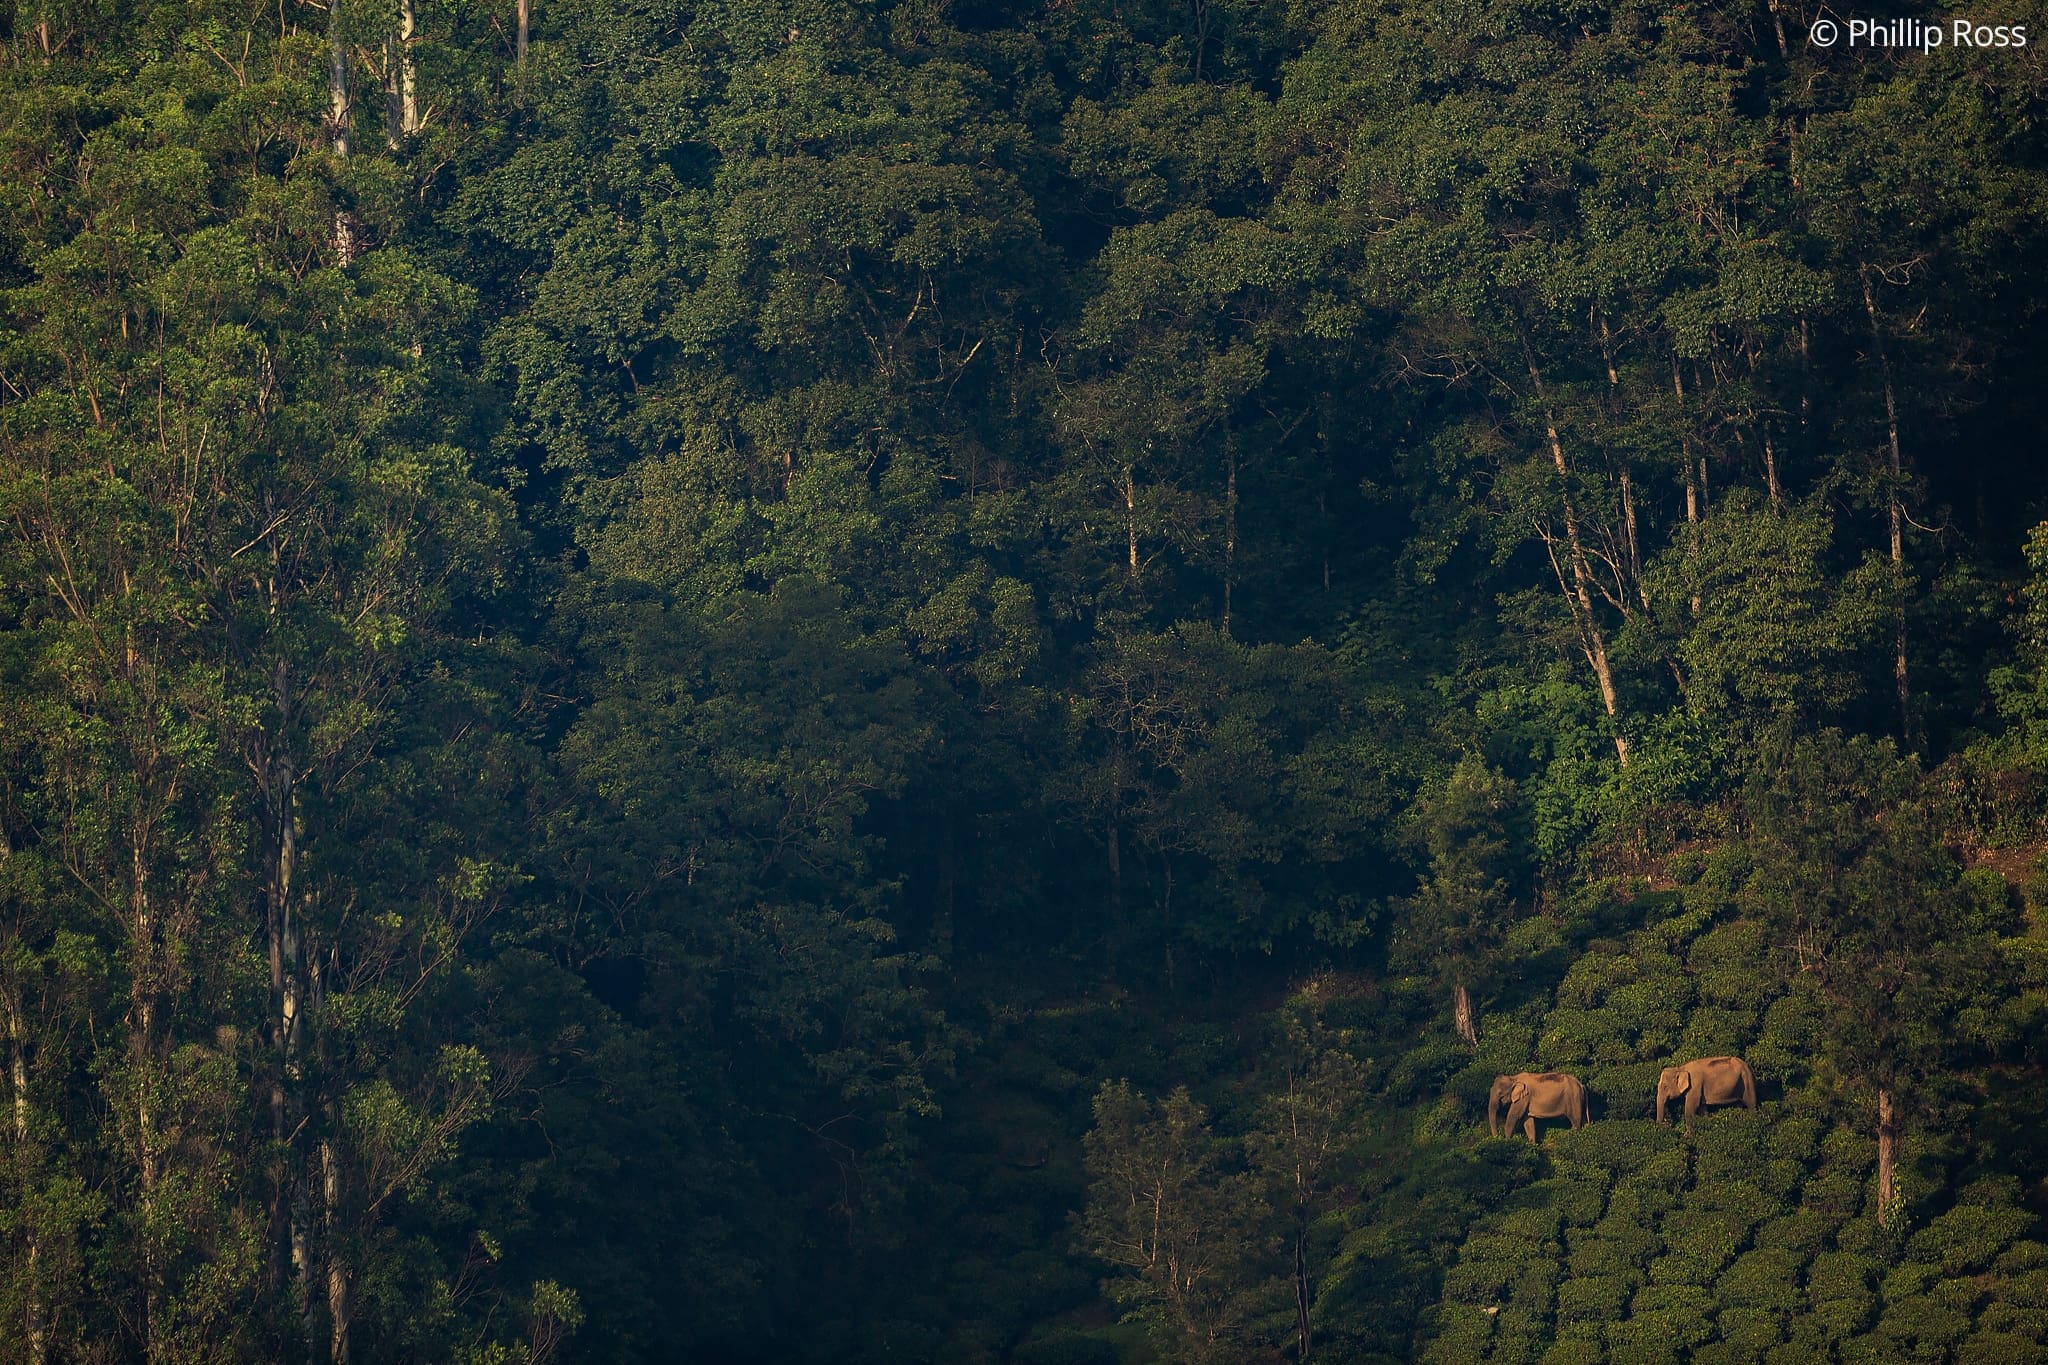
<point x="1806" y="370"/>
<point x="1770" y="448"/>
<point x="1628" y="501"/>
<point x="291" y="994"/>
<point x="401" y="80"/>
<point x="1692" y="492"/>
<point x="1635" y="553"/>
<point x="1131" y="519"/>
<point x="340" y="1314"/>
<point x="1461" y="1015"/>
<point x="1301" y="1286"/>
<point x="33" y="1329"/>
<point x="1771" y="471"/>
<point x="1229" y="531"/>
<point x="278" y="858"/>
<point x="1116" y="853"/>
<point x="338" y="114"/>
<point x="143" y="988"/>
<point x="408" y="72"/>
<point x="1896" y="508"/>
<point x="1887" y="1155"/>
<point x="1581" y="592"/>
<point x="524" y="21"/>
<point x="306" y="1250"/>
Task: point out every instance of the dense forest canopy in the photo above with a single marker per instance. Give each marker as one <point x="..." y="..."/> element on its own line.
<point x="797" y="680"/>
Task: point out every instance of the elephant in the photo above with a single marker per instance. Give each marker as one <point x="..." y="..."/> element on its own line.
<point x="1527" y="1096"/>
<point x="1709" y="1080"/>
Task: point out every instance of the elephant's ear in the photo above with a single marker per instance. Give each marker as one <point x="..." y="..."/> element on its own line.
<point x="1684" y="1081"/>
<point x="1521" y="1089"/>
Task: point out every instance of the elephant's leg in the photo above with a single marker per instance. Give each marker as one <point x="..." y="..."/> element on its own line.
<point x="1692" y="1105"/>
<point x="1529" y="1127"/>
<point x="1518" y="1115"/>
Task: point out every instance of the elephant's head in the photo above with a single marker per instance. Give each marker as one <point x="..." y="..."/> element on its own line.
<point x="1497" y="1101"/>
<point x="1672" y="1083"/>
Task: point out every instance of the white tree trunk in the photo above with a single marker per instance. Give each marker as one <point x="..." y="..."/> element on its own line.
<point x="1887" y="1156"/>
<point x="339" y="110"/>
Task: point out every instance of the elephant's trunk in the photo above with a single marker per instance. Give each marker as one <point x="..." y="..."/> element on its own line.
<point x="1663" y="1099"/>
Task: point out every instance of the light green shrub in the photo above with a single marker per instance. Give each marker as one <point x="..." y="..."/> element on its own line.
<point x="1846" y="1152"/>
<point x="1697" y="1246"/>
<point x="1619" y="1146"/>
<point x="1837" y="1195"/>
<point x="1739" y="1199"/>
<point x="1798" y="1351"/>
<point x="1672" y="1298"/>
<point x="1959" y="1293"/>
<point x="1533" y="1222"/>
<point x="1806" y="1340"/>
<point x="1763" y="1278"/>
<point x="1579" y="1200"/>
<point x="1692" y="1265"/>
<point x="1715" y="1031"/>
<point x="1787" y="1038"/>
<point x="2022" y="1255"/>
<point x="1578" y="1343"/>
<point x="1634" y="1241"/>
<point x="1996" y="1348"/>
<point x="2011" y="1319"/>
<point x="1909" y="1280"/>
<point x="1587" y="981"/>
<point x="1839" y="1275"/>
<point x="1625" y="1091"/>
<point x="1968" y="1237"/>
<point x="1518" y="1337"/>
<point x="1795" y="1138"/>
<point x="1668" y="1169"/>
<point x="1863" y="1236"/>
<point x="1992" y="1191"/>
<point x="1804" y="1232"/>
<point x="1582" y="1038"/>
<point x="1727" y="963"/>
<point x="1639" y="1202"/>
<point x="1722" y="1353"/>
<point x="1920" y="1319"/>
<point x="1754" y="1329"/>
<point x="1477" y="1282"/>
<point x="1493" y="1244"/>
<point x="1656" y="1336"/>
<point x="1593" y="1298"/>
<point x="2028" y="1289"/>
<point x="1839" y="1319"/>
<point x="1603" y="1256"/>
<point x="1458" y="1334"/>
<point x="1780" y="1178"/>
<point x="1530" y="1291"/>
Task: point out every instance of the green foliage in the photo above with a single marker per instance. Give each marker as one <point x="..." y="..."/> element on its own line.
<point x="640" y="645"/>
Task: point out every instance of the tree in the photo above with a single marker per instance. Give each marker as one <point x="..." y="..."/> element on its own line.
<point x="1304" y="1131"/>
<point x="1166" y="1211"/>
<point x="1853" y="878"/>
<point x="1456" y="916"/>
